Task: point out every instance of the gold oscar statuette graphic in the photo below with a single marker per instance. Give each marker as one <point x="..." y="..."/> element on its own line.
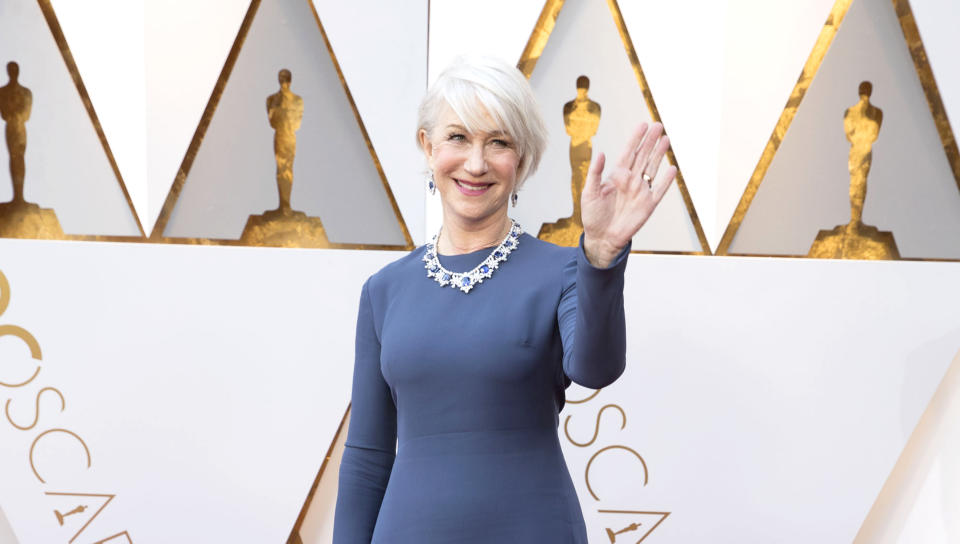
<point x="107" y="498"/>
<point x="636" y="532"/>
<point x="19" y="218"/>
<point x="76" y="510"/>
<point x="581" y="117"/>
<point x="855" y="240"/>
<point x="284" y="226"/>
<point x="613" y="535"/>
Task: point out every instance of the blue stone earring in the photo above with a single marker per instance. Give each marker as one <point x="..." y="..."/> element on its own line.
<point x="431" y="185"/>
<point x="514" y="199"/>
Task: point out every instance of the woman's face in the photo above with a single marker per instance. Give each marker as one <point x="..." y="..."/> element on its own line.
<point x="475" y="172"/>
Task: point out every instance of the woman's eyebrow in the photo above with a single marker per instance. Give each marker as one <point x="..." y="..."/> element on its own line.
<point x="494" y="134"/>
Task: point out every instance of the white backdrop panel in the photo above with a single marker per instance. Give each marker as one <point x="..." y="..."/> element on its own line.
<point x="207" y="382"/>
<point x="116" y="78"/>
<point x="684" y="76"/>
<point x="765" y="47"/>
<point x="921" y="497"/>
<point x="937" y="21"/>
<point x="769" y="398"/>
<point x="186" y="43"/>
<point x="382" y="50"/>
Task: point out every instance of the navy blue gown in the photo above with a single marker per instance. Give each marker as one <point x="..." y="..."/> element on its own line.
<point x="456" y="397"/>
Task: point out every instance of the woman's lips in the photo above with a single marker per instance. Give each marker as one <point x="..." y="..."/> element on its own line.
<point x="472" y="189"/>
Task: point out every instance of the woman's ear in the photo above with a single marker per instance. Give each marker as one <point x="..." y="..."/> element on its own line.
<point x="427" y="146"/>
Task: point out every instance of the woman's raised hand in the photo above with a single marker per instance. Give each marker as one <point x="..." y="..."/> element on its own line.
<point x="613" y="209"/>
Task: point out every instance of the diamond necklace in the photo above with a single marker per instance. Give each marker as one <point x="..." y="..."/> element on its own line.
<point x="465" y="281"/>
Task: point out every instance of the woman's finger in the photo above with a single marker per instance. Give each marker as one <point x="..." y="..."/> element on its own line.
<point x="642" y="160"/>
<point x="633" y="145"/>
<point x="657" y="157"/>
<point x="661" y="187"/>
<point x="648" y="171"/>
<point x="592" y="184"/>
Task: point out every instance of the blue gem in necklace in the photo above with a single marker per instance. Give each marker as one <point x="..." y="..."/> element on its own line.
<point x="468" y="280"/>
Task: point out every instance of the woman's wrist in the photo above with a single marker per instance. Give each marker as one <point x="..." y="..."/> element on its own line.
<point x="600" y="252"/>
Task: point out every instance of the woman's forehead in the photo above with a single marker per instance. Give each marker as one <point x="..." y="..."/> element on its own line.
<point x="473" y="117"/>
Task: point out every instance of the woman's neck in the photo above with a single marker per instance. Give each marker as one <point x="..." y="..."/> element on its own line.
<point x="457" y="237"/>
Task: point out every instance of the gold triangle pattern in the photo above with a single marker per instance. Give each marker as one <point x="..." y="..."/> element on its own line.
<point x="527" y="64"/>
<point x="867" y="236"/>
<point x="295" y="537"/>
<point x="21" y="219"/>
<point x="289" y="228"/>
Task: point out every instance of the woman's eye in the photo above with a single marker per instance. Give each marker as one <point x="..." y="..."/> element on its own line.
<point x="501" y="143"/>
<point x="456" y="137"/>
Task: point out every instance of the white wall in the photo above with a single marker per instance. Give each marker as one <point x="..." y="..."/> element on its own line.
<point x="208" y="382"/>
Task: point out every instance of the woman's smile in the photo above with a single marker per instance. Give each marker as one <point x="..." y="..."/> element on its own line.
<point x="471" y="188"/>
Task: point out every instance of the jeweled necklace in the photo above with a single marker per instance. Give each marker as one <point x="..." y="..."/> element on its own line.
<point x="465" y="281"/>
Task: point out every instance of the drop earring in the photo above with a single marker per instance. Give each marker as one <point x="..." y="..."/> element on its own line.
<point x="514" y="199"/>
<point x="431" y="185"/>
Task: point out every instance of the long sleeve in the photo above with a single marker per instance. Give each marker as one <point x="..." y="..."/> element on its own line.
<point x="591" y="320"/>
<point x="371" y="439"/>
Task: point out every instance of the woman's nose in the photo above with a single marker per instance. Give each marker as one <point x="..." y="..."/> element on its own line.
<point x="476" y="164"/>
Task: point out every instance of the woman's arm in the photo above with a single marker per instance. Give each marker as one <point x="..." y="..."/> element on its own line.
<point x="371" y="438"/>
<point x="590" y="314"/>
<point x="591" y="320"/>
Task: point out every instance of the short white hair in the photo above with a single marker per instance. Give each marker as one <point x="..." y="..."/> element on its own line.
<point x="480" y="88"/>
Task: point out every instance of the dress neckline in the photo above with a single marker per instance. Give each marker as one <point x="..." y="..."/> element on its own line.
<point x="462" y="262"/>
<point x="488" y="249"/>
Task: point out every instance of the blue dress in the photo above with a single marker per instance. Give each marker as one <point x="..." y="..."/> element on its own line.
<point x="469" y="387"/>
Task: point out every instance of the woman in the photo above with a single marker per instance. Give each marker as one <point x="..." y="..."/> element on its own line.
<point x="464" y="347"/>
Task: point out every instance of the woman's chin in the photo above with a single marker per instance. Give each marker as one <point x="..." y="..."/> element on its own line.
<point x="477" y="211"/>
